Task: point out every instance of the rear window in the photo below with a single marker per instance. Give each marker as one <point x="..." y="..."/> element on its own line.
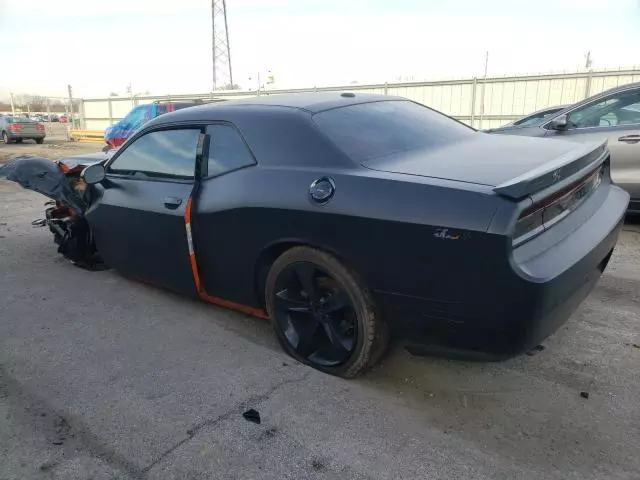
<point x="19" y="120"/>
<point x="374" y="130"/>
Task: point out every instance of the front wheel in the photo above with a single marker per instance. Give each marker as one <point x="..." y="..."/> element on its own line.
<point x="323" y="314"/>
<point x="39" y="141"/>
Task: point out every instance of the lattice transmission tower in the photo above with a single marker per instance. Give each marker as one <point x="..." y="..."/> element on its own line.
<point x="222" y="75"/>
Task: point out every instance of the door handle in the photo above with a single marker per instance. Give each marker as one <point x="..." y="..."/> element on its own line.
<point x="172" y="202"/>
<point x="630" y="139"/>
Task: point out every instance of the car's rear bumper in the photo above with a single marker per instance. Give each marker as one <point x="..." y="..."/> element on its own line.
<point x="550" y="287"/>
<point x="15" y="135"/>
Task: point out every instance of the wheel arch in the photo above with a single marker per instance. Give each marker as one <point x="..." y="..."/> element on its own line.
<point x="272" y="251"/>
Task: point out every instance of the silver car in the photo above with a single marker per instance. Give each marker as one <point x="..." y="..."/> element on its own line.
<point x="17" y="129"/>
<point x="613" y="115"/>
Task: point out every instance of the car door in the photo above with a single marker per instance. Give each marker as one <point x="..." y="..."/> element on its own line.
<point x="223" y="240"/>
<point x="138" y="218"/>
<point x="615" y="118"/>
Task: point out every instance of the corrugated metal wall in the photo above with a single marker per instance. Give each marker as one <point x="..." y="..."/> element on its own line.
<point x="505" y="98"/>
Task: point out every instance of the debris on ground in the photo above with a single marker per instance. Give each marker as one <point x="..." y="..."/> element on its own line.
<point x="318" y="466"/>
<point x="252" y="415"/>
<point x="584" y="394"/>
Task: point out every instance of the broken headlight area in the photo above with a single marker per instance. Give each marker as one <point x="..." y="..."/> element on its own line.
<point x="65" y="215"/>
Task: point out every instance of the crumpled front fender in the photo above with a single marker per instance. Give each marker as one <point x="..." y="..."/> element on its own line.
<point x="43" y="176"/>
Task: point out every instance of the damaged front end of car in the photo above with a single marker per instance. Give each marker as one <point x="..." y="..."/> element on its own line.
<point x="62" y="183"/>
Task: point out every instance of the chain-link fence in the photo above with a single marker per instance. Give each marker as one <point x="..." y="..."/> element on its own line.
<point x="57" y="114"/>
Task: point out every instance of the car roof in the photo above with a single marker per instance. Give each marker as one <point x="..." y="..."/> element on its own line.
<point x="621" y="88"/>
<point x="626" y="86"/>
<point x="307" y="102"/>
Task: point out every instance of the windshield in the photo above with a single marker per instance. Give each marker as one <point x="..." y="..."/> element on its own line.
<point x="373" y="130"/>
<point x="19" y="120"/>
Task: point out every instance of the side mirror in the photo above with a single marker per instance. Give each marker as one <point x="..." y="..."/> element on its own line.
<point x="559" y="123"/>
<point x="94" y="174"/>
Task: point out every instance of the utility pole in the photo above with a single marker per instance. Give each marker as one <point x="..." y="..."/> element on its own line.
<point x="588" y="61"/>
<point x="484" y="86"/>
<point x="13" y="110"/>
<point x="221" y="49"/>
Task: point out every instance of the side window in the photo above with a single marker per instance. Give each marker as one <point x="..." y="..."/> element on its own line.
<point x="227" y="150"/>
<point x="621" y="109"/>
<point x="164" y="153"/>
<point x="536" y="119"/>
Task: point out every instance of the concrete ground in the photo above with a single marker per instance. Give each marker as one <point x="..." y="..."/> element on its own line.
<point x="105" y="378"/>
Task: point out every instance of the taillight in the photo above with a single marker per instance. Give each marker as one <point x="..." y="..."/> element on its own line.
<point x="40" y="126"/>
<point x="16" y="127"/>
<point x="543" y="214"/>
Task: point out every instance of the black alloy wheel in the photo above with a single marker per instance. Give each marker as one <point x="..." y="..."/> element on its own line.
<point x="322" y="314"/>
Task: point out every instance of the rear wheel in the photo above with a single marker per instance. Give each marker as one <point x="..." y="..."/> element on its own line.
<point x="5" y="137"/>
<point x="323" y="314"/>
<point x="39" y="140"/>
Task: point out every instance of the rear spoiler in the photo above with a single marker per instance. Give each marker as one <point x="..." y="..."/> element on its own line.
<point x="575" y="160"/>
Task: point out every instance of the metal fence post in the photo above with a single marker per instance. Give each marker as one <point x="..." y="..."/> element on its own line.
<point x="83" y="122"/>
<point x="484" y="87"/>
<point x="587" y="92"/>
<point x="70" y="104"/>
<point x="386" y="88"/>
<point x="473" y="101"/>
<point x="49" y="114"/>
<point x="110" y="105"/>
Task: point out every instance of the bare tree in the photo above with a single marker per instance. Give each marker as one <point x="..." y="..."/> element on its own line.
<point x="38" y="103"/>
<point x="34" y="103"/>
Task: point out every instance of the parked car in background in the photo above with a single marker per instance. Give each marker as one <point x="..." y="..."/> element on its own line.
<point x="533" y="119"/>
<point x="116" y="134"/>
<point x="613" y="116"/>
<point x="63" y="119"/>
<point x="345" y="219"/>
<point x="55" y="118"/>
<point x="17" y="129"/>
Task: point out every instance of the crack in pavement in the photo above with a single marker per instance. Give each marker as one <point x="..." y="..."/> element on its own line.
<point x="193" y="431"/>
<point x="74" y="437"/>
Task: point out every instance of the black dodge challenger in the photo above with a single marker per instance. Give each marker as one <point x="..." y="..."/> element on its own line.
<point x="347" y="219"/>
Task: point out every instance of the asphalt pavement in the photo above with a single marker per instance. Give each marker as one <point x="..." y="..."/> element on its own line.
<point x="105" y="378"/>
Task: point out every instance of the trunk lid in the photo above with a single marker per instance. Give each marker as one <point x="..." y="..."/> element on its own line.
<point x="514" y="166"/>
<point x="27" y="127"/>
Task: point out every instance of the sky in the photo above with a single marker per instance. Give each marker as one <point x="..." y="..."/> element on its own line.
<point x="164" y="46"/>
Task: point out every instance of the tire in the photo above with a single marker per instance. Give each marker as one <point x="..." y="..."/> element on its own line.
<point x="39" y="141"/>
<point x="5" y="138"/>
<point x="369" y="337"/>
